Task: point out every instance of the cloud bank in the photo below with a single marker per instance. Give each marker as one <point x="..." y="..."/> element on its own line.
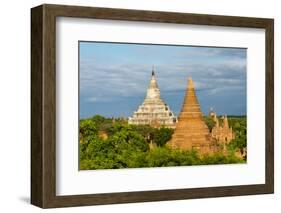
<point x="114" y="77"/>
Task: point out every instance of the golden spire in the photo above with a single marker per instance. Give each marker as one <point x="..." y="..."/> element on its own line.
<point x="191" y="130"/>
<point x="190" y="83"/>
<point x="190" y="100"/>
<point x="225" y="121"/>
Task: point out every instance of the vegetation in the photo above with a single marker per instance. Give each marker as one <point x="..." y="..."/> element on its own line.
<point x="107" y="143"/>
<point x="239" y="126"/>
<point x="210" y="122"/>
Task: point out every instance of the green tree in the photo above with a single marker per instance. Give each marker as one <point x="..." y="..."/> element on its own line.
<point x="98" y="119"/>
<point x="210" y="122"/>
<point x="239" y="126"/>
<point x="127" y="146"/>
<point x="87" y="129"/>
<point x="146" y="131"/>
<point x="162" y="136"/>
<point x="159" y="157"/>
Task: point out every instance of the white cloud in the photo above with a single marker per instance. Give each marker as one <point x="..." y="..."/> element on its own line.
<point x="101" y="82"/>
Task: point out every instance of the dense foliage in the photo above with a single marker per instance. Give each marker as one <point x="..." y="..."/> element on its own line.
<point x="107" y="143"/>
<point x="239" y="126"/>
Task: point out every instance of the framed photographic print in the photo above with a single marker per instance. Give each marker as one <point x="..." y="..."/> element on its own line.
<point x="137" y="106"/>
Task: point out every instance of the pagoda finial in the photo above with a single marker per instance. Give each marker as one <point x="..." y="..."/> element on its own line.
<point x="152" y="70"/>
<point x="190" y="83"/>
<point x="225" y="121"/>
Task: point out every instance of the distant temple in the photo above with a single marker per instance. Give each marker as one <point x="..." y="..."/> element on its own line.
<point x="153" y="111"/>
<point x="191" y="131"/>
<point x="222" y="133"/>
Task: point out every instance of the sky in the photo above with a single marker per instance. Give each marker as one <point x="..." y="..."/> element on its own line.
<point x="114" y="77"/>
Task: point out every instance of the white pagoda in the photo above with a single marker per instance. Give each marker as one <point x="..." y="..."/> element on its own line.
<point x="153" y="111"/>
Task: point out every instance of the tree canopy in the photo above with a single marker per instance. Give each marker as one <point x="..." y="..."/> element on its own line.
<point x="127" y="146"/>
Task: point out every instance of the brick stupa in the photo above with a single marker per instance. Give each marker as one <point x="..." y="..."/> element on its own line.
<point x="191" y="131"/>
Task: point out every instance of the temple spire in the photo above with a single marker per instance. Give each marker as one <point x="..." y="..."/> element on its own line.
<point x="225" y="121"/>
<point x="191" y="130"/>
<point x="190" y="83"/>
<point x="190" y="99"/>
<point x="153" y="111"/>
<point x="153" y="90"/>
<point x="153" y="73"/>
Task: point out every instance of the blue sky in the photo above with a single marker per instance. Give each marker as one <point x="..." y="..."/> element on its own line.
<point x="114" y="77"/>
